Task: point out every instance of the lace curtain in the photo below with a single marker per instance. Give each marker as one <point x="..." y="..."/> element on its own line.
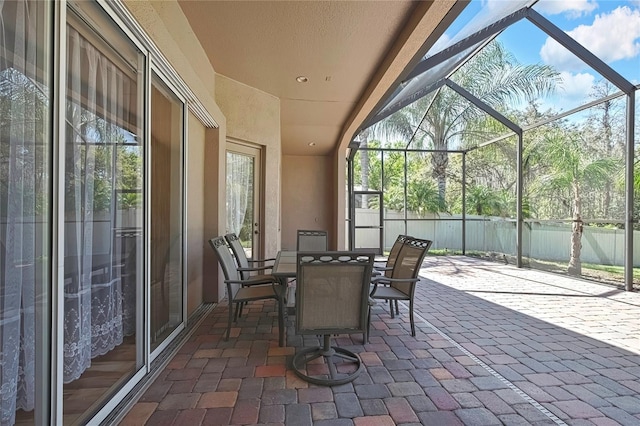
<point x="239" y="179"/>
<point x="96" y="107"/>
<point x="23" y="103"/>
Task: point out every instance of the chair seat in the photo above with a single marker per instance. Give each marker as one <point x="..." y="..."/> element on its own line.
<point x="259" y="279"/>
<point x="256" y="293"/>
<point x="383" y="292"/>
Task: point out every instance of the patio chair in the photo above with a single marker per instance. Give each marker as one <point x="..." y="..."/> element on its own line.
<point x="312" y="240"/>
<point x="245" y="265"/>
<point x="241" y="291"/>
<point x="332" y="298"/>
<point x="387" y="268"/>
<point x="401" y="285"/>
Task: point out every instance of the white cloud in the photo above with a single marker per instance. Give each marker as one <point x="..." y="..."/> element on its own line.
<point x="611" y="37"/>
<point x="571" y="8"/>
<point x="572" y="92"/>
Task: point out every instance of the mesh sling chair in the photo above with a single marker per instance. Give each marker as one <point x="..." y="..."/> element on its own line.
<point x="245" y="265"/>
<point x="250" y="270"/>
<point x="401" y="285"/>
<point x="311" y="240"/>
<point x="387" y="268"/>
<point x="241" y="291"/>
<point x="332" y="298"/>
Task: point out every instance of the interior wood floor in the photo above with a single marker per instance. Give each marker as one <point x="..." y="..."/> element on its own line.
<point x="84" y="396"/>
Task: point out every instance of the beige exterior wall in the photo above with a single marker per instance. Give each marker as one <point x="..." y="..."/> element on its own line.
<point x="167" y="26"/>
<point x="243" y="113"/>
<point x="254" y="117"/>
<point x="307" y="197"/>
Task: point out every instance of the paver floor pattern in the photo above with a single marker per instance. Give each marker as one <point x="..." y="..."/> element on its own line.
<point x="495" y="345"/>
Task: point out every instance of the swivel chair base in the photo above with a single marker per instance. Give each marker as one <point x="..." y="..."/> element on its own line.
<point x="334" y="357"/>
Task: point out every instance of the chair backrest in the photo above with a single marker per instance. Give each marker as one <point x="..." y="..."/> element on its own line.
<point x="312" y="240"/>
<point x="393" y="254"/>
<point x="238" y="253"/>
<point x="332" y="292"/>
<point x="408" y="263"/>
<point x="227" y="263"/>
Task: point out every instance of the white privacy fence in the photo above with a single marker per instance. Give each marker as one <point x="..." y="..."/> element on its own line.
<point x="542" y="241"/>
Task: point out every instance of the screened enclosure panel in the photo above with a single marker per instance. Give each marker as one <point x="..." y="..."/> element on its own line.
<point x="492" y="237"/>
<point x="476" y="20"/>
<point x="367" y="239"/>
<point x="574" y="170"/>
<point x="445" y="232"/>
<point x="368" y="170"/>
<point x="491" y="180"/>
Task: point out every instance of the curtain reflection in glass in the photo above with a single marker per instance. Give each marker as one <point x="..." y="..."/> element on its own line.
<point x="240" y="170"/>
<point x="24" y="203"/>
<point x="102" y="218"/>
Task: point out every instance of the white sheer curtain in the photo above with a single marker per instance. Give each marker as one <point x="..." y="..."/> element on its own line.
<point x="239" y="175"/>
<point x="22" y="102"/>
<point x="96" y="106"/>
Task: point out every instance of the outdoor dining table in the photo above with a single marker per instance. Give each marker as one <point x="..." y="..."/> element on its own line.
<point x="285" y="265"/>
<point x="284" y="268"/>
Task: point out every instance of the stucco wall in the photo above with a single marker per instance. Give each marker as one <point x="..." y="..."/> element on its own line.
<point x="307" y="196"/>
<point x="167" y="26"/>
<point x="254" y="116"/>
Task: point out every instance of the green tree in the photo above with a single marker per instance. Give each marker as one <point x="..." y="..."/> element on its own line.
<point x="495" y="77"/>
<point x="571" y="169"/>
<point x="484" y="201"/>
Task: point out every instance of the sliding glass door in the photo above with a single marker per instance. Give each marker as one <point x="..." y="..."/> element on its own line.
<point x="91" y="216"/>
<point x="103" y="214"/>
<point x="25" y="211"/>
<point x="166" y="211"/>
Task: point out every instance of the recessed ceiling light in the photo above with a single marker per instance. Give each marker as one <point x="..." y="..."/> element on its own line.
<point x="301" y="79"/>
<point x="312" y="144"/>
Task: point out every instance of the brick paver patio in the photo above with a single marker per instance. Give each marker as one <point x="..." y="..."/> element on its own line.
<point x="495" y="345"/>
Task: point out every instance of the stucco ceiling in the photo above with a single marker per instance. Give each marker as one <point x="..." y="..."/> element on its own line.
<point x="340" y="46"/>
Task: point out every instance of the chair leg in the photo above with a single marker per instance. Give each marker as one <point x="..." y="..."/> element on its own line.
<point x="365" y="335"/>
<point x="236" y="314"/>
<point x="281" y="334"/>
<point x="391" y="308"/>
<point x="413" y="325"/>
<point x="397" y="310"/>
<point x="226" y="337"/>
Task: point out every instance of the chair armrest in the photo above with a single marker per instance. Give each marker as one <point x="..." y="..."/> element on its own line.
<point x="248" y="283"/>
<point x="383" y="268"/>
<point x="257" y="268"/>
<point x="261" y="260"/>
<point x="382" y="280"/>
<point x="399" y="280"/>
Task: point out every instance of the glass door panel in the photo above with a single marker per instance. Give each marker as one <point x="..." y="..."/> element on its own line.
<point x="25" y="211"/>
<point x="166" y="212"/>
<point x="243" y="196"/>
<point x="102" y="212"/>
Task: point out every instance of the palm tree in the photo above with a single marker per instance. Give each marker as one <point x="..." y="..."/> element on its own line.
<point x="482" y="200"/>
<point x="571" y="168"/>
<point x="495" y="77"/>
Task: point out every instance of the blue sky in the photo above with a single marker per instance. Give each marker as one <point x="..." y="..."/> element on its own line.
<point x="608" y="28"/>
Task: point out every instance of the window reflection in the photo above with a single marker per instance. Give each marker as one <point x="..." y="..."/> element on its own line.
<point x="24" y="210"/>
<point x="102" y="219"/>
<point x="166" y="212"/>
